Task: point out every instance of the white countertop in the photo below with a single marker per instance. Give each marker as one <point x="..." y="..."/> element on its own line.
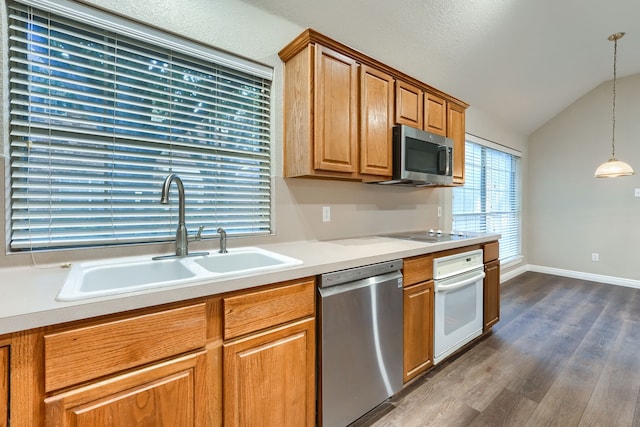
<point x="29" y="293"/>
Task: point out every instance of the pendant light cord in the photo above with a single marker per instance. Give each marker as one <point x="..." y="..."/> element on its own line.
<point x="613" y="127"/>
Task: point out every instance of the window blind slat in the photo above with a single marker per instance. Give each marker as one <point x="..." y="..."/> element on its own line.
<point x="98" y="118"/>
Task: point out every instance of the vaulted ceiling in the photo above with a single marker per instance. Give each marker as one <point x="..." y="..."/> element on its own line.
<point x="522" y="61"/>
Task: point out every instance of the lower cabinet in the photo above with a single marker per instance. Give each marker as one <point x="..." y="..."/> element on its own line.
<point x="269" y="378"/>
<point x="269" y="356"/>
<point x="418" y="329"/>
<point x="491" y="294"/>
<point x="170" y="394"/>
<point x="4" y="386"/>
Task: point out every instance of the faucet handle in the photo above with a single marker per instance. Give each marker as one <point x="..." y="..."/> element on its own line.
<point x="198" y="235"/>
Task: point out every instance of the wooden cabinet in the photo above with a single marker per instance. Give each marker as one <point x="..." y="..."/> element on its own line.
<point x="418" y="329"/>
<point x="4" y="386"/>
<point x="420" y="109"/>
<point x="417" y="315"/>
<point x="338" y="116"/>
<point x="491" y="285"/>
<point x="170" y="394"/>
<point x="269" y="356"/>
<point x="337" y="128"/>
<point x="269" y="378"/>
<point x="335" y="139"/>
<point x="409" y="104"/>
<point x="491" y="294"/>
<point x="376" y="122"/>
<point x="85" y="353"/>
<point x="129" y="370"/>
<point x="435" y="114"/>
<point x="456" y="131"/>
<point x="250" y="352"/>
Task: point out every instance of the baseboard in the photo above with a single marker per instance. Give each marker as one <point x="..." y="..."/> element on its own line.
<point x="611" y="280"/>
<point x="513" y="273"/>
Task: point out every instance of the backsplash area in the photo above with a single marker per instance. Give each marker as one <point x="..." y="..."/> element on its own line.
<point x="357" y="209"/>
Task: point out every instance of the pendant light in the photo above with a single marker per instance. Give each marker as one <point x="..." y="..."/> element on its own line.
<point x="613" y="167"/>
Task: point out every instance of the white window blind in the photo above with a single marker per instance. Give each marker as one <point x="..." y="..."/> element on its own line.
<point x="98" y="119"/>
<point x="489" y="201"/>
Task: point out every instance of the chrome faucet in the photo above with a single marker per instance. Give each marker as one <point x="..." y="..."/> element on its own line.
<point x="223" y="240"/>
<point x="182" y="238"/>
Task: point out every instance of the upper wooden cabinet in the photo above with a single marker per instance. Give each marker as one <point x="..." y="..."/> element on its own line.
<point x="337" y="128"/>
<point x="335" y="112"/>
<point x="420" y="109"/>
<point x="456" y="131"/>
<point x="409" y="104"/>
<point x="435" y="114"/>
<point x="376" y="122"/>
<point x="338" y="116"/>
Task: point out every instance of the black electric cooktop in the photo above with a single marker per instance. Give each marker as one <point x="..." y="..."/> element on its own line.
<point x="432" y="236"/>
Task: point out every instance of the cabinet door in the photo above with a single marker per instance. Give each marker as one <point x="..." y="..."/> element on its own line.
<point x="435" y="114"/>
<point x="269" y="378"/>
<point x="376" y="122"/>
<point x="409" y="105"/>
<point x="491" y="294"/>
<point x="455" y="131"/>
<point x="418" y="329"/>
<point x="4" y="386"/>
<point x="170" y="394"/>
<point x="336" y="111"/>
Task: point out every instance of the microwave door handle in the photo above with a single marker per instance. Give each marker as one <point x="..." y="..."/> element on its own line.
<point x="446" y="161"/>
<point x="447" y="171"/>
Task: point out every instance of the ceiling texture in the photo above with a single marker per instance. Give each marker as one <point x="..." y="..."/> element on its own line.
<point x="521" y="61"/>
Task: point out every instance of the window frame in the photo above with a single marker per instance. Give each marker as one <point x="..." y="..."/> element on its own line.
<point x="114" y="23"/>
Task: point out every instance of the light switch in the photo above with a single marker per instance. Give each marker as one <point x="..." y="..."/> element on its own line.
<point x="637" y="192"/>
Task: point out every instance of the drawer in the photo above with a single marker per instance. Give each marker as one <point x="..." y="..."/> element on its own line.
<point x="86" y="353"/>
<point x="491" y="251"/>
<point x="417" y="269"/>
<point x="255" y="311"/>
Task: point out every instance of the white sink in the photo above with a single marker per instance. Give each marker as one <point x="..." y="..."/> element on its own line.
<point x="108" y="277"/>
<point x="242" y="261"/>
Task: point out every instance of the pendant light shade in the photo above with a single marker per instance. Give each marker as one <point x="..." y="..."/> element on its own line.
<point x="613" y="167"/>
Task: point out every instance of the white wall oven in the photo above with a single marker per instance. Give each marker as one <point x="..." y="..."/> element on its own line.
<point x="458" y="285"/>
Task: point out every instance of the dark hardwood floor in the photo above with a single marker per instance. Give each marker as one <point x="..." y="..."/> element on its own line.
<point x="566" y="352"/>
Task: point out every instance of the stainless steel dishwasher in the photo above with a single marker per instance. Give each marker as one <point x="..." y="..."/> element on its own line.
<point x="360" y="341"/>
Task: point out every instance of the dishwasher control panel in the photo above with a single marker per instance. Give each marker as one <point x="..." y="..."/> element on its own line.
<point x="359" y="273"/>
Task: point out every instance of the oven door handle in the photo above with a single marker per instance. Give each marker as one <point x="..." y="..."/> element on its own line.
<point x="458" y="285"/>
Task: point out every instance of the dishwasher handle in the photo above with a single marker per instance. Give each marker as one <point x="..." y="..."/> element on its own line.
<point x="459" y="284"/>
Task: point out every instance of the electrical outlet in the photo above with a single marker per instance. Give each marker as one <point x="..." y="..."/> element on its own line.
<point x="326" y="214"/>
<point x="595" y="257"/>
<point x="636" y="192"/>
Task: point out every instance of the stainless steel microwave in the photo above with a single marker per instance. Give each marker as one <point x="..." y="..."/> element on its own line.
<point x="420" y="158"/>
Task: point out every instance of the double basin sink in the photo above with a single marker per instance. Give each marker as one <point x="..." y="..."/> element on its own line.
<point x="101" y="278"/>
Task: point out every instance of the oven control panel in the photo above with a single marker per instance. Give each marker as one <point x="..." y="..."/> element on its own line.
<point x="456" y="264"/>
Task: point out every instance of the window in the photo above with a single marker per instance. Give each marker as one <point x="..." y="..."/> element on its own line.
<point x="489" y="201"/>
<point x="103" y="109"/>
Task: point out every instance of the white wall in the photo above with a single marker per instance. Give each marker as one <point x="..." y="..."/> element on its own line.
<point x="357" y="209"/>
<point x="571" y="214"/>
